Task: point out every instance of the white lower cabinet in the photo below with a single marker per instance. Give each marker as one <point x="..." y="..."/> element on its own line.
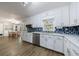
<point x="27" y="37"/>
<point x="59" y="44"/>
<point x="51" y="42"/>
<point x="43" y="40"/>
<point x="47" y="41"/>
<point x="74" y="50"/>
<point x="71" y="49"/>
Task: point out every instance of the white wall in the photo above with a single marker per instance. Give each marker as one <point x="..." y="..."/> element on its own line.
<point x="6" y="27"/>
<point x="1" y="28"/>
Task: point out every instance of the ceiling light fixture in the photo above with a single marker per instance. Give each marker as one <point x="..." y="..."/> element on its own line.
<point x="13" y="21"/>
<point x="25" y="3"/>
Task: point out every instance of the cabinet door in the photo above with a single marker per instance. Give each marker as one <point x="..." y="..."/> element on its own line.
<point x="73" y="14"/>
<point x="23" y="35"/>
<point x="57" y="16"/>
<point x="77" y="13"/>
<point x="71" y="49"/>
<point x="27" y="37"/>
<point x="59" y="44"/>
<point x="65" y="46"/>
<point x="65" y="16"/>
<point x="74" y="49"/>
<point x="50" y="42"/>
<point x="43" y="40"/>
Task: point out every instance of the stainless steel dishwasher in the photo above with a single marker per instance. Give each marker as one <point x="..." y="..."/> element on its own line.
<point x="36" y="39"/>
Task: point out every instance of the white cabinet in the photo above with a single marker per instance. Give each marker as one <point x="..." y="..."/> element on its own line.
<point x="62" y="16"/>
<point x="51" y="42"/>
<point x="59" y="44"/>
<point x="70" y="14"/>
<point x="27" y="37"/>
<point x="73" y="14"/>
<point x="57" y="16"/>
<point x="34" y="25"/>
<point x="75" y="50"/>
<point x="65" y="16"/>
<point x="77" y="20"/>
<point x="47" y="41"/>
<point x="43" y="40"/>
<point x="70" y="49"/>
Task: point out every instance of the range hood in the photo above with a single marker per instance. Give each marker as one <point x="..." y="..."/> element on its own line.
<point x="29" y="26"/>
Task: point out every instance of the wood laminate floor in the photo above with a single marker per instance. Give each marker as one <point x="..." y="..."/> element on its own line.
<point x="17" y="47"/>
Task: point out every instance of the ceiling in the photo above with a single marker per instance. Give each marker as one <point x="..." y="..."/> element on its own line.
<point x="18" y="10"/>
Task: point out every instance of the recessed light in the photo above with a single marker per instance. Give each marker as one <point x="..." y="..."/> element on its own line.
<point x="26" y="2"/>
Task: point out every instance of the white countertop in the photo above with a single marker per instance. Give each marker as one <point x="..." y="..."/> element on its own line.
<point x="72" y="38"/>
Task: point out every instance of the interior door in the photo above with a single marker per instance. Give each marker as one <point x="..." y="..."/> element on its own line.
<point x="6" y="29"/>
<point x="1" y="28"/>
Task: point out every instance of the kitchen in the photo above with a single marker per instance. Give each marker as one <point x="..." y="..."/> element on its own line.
<point x="55" y="29"/>
<point x="43" y="28"/>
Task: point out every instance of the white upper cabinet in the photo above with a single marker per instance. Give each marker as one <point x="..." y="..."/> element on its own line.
<point x="73" y="14"/>
<point x="77" y="20"/>
<point x="57" y="21"/>
<point x="65" y="16"/>
<point x="62" y="16"/>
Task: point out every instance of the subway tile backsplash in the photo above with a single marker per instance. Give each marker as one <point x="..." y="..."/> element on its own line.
<point x="68" y="30"/>
<point x="37" y="29"/>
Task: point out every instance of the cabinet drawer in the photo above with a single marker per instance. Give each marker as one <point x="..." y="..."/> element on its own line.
<point x="75" y="49"/>
<point x="71" y="49"/>
<point x="71" y="52"/>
